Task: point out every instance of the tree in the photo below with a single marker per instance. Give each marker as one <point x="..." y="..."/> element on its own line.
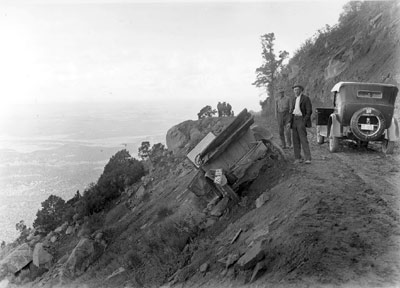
<point x="121" y="171"/>
<point x="51" y="214"/>
<point x="206" y="111"/>
<point x="266" y="74"/>
<point x="144" y="150"/>
<point x="23" y="231"/>
<point x="157" y="152"/>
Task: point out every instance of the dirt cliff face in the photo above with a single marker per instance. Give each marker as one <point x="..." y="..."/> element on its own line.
<point x="363" y="47"/>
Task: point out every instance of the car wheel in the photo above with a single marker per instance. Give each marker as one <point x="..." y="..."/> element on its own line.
<point x="368" y="124"/>
<point x="387" y="146"/>
<point x="333" y="144"/>
<point x="320" y="138"/>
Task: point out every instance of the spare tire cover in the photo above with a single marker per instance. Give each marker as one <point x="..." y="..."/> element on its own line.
<point x="367" y="124"/>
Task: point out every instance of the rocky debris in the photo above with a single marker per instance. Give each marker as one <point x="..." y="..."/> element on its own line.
<point x="209" y="222"/>
<point x="116" y="272"/>
<point x="260" y="268"/>
<point x="236" y="236"/>
<point x="259" y="235"/>
<point x="231" y="259"/>
<point x="81" y="257"/>
<point x="30" y="236"/>
<point x="219" y="209"/>
<point x="53" y="239"/>
<point x="61" y="228"/>
<point x="35" y="239"/>
<point x="262" y="199"/>
<point x="140" y="192"/>
<point x="334" y="68"/>
<point x="98" y="236"/>
<point x="204" y="267"/>
<point x="70" y="230"/>
<point x="41" y="258"/>
<point x="251" y="257"/>
<point x="17" y="259"/>
<point x="84" y="231"/>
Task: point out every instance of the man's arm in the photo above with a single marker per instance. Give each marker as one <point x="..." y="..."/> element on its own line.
<point x="308" y="109"/>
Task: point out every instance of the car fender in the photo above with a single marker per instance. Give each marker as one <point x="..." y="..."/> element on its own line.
<point x="334" y="126"/>
<point x="392" y="133"/>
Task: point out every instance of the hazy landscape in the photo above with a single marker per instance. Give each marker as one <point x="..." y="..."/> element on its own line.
<point x="59" y="149"/>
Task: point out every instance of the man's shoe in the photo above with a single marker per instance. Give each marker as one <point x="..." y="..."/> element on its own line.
<point x="298" y="161"/>
<point x="307" y="162"/>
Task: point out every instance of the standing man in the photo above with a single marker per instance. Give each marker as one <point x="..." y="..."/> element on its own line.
<point x="301" y="119"/>
<point x="283" y="105"/>
<point x="219" y="108"/>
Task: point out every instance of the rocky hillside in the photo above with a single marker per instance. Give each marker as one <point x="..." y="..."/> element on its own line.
<point x="329" y="224"/>
<point x="364" y="46"/>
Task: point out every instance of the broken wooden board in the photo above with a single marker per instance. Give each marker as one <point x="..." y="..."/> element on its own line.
<point x="256" y="152"/>
<point x="231" y="129"/>
<point x="235" y="136"/>
<point x="232" y="154"/>
<point x="202" y="145"/>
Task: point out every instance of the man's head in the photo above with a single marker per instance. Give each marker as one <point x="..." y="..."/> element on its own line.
<point x="298" y="89"/>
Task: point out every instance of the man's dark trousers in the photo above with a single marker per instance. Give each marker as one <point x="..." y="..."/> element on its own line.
<point x="283" y="120"/>
<point x="299" y="138"/>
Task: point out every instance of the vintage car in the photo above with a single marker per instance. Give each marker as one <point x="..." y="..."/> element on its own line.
<point x="362" y="112"/>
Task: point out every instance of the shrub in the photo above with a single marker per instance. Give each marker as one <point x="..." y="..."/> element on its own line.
<point x="122" y="170"/>
<point x="51" y="214"/>
<point x="95" y="222"/>
<point x="206" y="111"/>
<point x="116" y="214"/>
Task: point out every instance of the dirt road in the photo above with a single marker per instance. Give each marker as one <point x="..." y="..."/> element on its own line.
<point x="332" y="223"/>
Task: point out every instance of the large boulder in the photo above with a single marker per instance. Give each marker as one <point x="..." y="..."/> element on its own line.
<point x="41" y="258"/>
<point x="70" y="230"/>
<point x="183" y="137"/>
<point x="81" y="257"/>
<point x="176" y="139"/>
<point x="17" y="259"/>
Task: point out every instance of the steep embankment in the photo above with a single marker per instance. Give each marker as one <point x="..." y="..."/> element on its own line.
<point x="364" y="46"/>
<point x="332" y="223"/>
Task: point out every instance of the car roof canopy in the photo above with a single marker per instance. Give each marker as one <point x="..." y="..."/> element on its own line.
<point x="338" y="85"/>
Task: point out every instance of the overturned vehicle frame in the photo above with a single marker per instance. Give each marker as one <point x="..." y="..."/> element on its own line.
<point x="362" y="112"/>
<point x="232" y="158"/>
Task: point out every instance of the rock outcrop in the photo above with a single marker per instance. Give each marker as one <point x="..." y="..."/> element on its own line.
<point x="41" y="258"/>
<point x="81" y="257"/>
<point x="183" y="137"/>
<point x="17" y="259"/>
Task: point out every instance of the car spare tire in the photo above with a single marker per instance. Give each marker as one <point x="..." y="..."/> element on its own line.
<point x="367" y="124"/>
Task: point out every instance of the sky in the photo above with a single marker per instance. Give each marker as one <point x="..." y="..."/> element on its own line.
<point x="69" y="51"/>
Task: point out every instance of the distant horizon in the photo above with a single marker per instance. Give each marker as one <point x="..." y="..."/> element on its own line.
<point x="110" y="51"/>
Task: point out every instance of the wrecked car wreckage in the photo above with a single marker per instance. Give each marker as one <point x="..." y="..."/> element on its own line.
<point x="228" y="161"/>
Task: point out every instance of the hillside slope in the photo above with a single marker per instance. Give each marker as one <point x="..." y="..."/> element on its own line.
<point x="334" y="223"/>
<point x="364" y="46"/>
